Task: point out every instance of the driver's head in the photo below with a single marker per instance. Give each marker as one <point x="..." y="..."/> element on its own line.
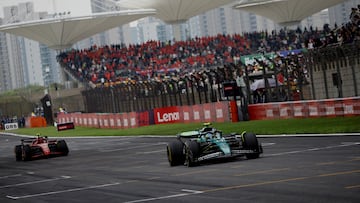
<point x="208" y="135"/>
<point x="217" y="134"/>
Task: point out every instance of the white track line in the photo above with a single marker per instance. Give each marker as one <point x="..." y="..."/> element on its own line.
<point x="188" y="192"/>
<point x="61" y="191"/>
<point x="131" y="148"/>
<point x="35" y="182"/>
<point x="10" y="176"/>
<point x="314" y="149"/>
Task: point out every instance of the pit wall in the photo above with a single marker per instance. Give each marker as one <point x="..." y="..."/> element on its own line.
<point x="216" y="112"/>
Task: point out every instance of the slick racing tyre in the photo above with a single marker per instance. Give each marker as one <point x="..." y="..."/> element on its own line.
<point x="26" y="153"/>
<point x="18" y="152"/>
<point x="62" y="147"/>
<point x="175" y="153"/>
<point x="192" y="151"/>
<point x="251" y="143"/>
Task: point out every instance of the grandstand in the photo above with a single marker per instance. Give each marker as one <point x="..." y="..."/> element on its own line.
<point x="123" y="78"/>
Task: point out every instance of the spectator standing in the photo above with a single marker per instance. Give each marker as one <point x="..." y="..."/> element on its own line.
<point x="240" y="82"/>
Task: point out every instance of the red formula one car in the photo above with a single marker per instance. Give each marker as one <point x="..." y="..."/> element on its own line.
<point x="40" y="147"/>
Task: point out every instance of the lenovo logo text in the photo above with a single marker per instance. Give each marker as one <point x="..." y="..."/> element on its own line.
<point x="168" y="117"/>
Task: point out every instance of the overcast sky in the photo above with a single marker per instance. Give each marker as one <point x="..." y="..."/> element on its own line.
<point x="76" y="7"/>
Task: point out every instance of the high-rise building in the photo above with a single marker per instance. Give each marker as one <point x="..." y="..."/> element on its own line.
<point x="5" y="79"/>
<point x="23" y="61"/>
<point x="226" y="20"/>
<point x="112" y="36"/>
<point x="12" y="45"/>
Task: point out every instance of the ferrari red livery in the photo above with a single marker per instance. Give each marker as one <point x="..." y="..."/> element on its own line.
<point x="40" y="147"/>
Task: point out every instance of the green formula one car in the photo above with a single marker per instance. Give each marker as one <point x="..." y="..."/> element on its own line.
<point x="192" y="147"/>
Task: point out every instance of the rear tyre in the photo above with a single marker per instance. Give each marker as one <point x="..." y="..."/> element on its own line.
<point x="18" y="152"/>
<point x="175" y="153"/>
<point x="62" y="147"/>
<point x="26" y="153"/>
<point x="251" y="143"/>
<point x="192" y="151"/>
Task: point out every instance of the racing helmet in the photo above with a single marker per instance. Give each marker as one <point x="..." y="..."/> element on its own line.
<point x="209" y="135"/>
<point x="217" y="134"/>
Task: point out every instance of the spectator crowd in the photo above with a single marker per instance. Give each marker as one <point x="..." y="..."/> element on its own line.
<point x="159" y="61"/>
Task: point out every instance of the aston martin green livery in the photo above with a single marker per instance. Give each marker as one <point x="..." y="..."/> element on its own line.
<point x="192" y="147"/>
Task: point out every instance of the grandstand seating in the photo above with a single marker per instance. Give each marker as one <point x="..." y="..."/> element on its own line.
<point x="159" y="61"/>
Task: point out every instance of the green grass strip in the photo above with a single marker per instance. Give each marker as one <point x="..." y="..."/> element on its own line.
<point x="261" y="127"/>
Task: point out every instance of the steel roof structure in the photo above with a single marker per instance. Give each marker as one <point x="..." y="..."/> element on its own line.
<point x="175" y="11"/>
<point x="61" y="33"/>
<point x="286" y="12"/>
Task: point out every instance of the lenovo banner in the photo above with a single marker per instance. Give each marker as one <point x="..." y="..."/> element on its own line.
<point x="167" y="115"/>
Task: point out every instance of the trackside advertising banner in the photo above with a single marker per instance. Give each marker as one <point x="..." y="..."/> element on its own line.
<point x="167" y="115"/>
<point x="306" y="109"/>
<point x="11" y="126"/>
<point x="216" y="112"/>
<point x="211" y="112"/>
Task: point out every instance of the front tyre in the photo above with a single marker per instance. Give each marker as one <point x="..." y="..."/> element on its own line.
<point x="250" y="142"/>
<point x="62" y="147"/>
<point x="26" y="153"/>
<point x="175" y="153"/>
<point x="18" y="152"/>
<point x="192" y="151"/>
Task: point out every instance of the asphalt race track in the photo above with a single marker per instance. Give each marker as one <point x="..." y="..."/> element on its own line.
<point x="135" y="169"/>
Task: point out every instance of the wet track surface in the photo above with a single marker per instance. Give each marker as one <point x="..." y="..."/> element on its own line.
<point x="135" y="169"/>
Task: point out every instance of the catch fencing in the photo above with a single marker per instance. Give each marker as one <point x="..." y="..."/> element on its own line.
<point x="333" y="72"/>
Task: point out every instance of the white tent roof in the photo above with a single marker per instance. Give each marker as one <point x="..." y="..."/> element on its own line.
<point x="286" y="12"/>
<point x="175" y="11"/>
<point x="60" y="33"/>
